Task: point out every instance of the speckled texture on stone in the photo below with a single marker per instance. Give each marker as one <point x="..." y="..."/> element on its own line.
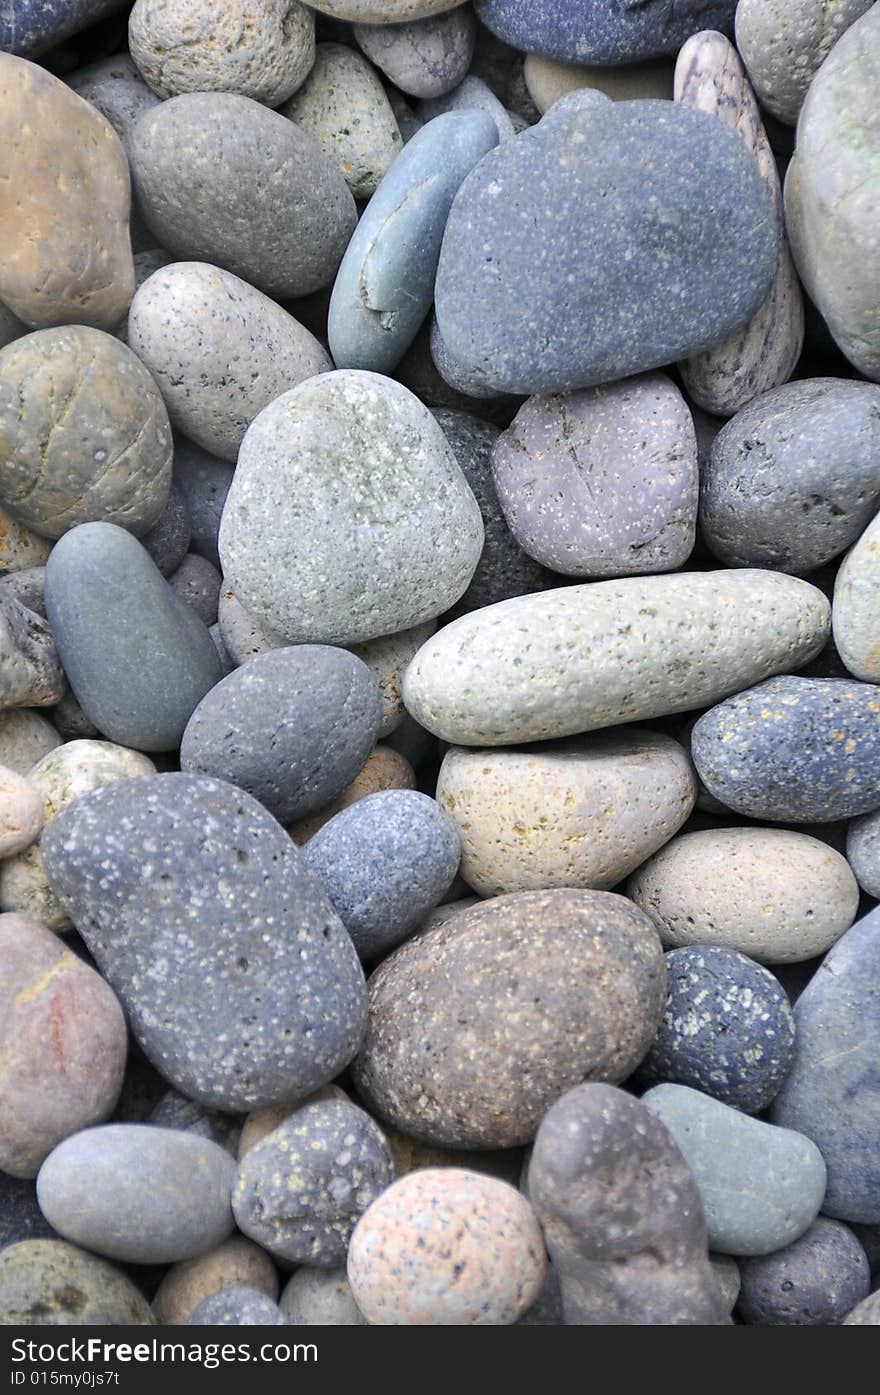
<point x="761" y="1186"/>
<point x="800" y="750"/>
<point x="137" y="657"/>
<point x="293" y="727"/>
<point x="168" y="539"/>
<point x="145" y="264"/>
<point x="813" y="1283"/>
<point x="784" y="43"/>
<point x="115" y="86"/>
<point x="348" y="516"/>
<point x="237" y="1307"/>
<point x="237" y="1262"/>
<point x="84" y="434"/>
<point x="219" y="350"/>
<point x="653" y="205"/>
<point x="243" y="637"/>
<point x="139" y="1194"/>
<point x="30" y="669"/>
<point x="863" y="851"/>
<point x="710" y="77"/>
<point x="204" y="482"/>
<point x="25" y="737"/>
<point x="384" y="769"/>
<point x="727" y="1028"/>
<point x="866" y="1313"/>
<point x="794" y="478"/>
<point x="602" y="31"/>
<point x="581" y="657"/>
<point x="21" y="813"/>
<point x="833" y="1092"/>
<point x="426" y="57"/>
<point x="300" y="1192"/>
<point x="320" y="1298"/>
<point x="19" y="547"/>
<point x="198" y="582"/>
<point x="855" y="614"/>
<point x="343" y="106"/>
<point x="222" y="179"/>
<point x="470" y="95"/>
<point x="385" y="862"/>
<point x="257" y="48"/>
<point x="387" y="657"/>
<point x="66" y="259"/>
<point x="831" y="192"/>
<point x="581" y="813"/>
<point x="237" y="976"/>
<point x="621" y="1215"/>
<point x="48" y="1281"/>
<point x="602" y="482"/>
<point x="549" y="81"/>
<point x="772" y="894"/>
<point x="447" y="1247"/>
<point x="385" y="283"/>
<point x="578" y="984"/>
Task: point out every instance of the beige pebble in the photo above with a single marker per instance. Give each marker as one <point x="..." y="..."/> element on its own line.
<point x="547" y="80"/>
<point x="236" y="1262"/>
<point x="385" y="769"/>
<point x="261" y="1122"/>
<point x="25" y="737"/>
<point x="388" y="657"/>
<point x="21" y="812"/>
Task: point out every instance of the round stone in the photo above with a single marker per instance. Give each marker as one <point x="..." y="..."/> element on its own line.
<point x="785" y="42"/>
<point x="426" y="57"/>
<point x="320" y="1298"/>
<point x="384" y="769"/>
<point x="197" y="582"/>
<point x="471" y="95"/>
<point x="863" y="851"/>
<point x="237" y="1307"/>
<point x="582" y="31"/>
<point x="114" y="85"/>
<point x="47" y="1281"/>
<point x="235" y="1263"/>
<point x="855" y="615"/>
<point x="21" y="813"/>
<point x="813" y="1283"/>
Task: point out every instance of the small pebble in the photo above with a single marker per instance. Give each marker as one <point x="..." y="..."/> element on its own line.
<point x="815" y="1282"/>
<point x="237" y="1307"/>
<point x="425" y="58"/>
<point x="320" y="1298"/>
<point x="21" y="813"/>
<point x="854" y="615"/>
<point x="236" y="1262"/>
<point x="863" y="852"/>
<point x="49" y="1282"/>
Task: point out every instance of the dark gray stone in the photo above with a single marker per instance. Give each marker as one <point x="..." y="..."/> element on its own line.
<point x="30" y="669"/>
<point x="20" y="1215"/>
<point x="168" y="540"/>
<point x="30" y="27"/>
<point x="204" y="482"/>
<point x="425" y="57"/>
<point x="611" y="240"/>
<point x="70" y="720"/>
<point x="237" y="1306"/>
<point x="602" y="31"/>
<point x="813" y="1283"/>
<point x="238" y="978"/>
<point x="175" y="1111"/>
<point x="293" y="727"/>
<point x="137" y="657"/>
<point x="198" y="582"/>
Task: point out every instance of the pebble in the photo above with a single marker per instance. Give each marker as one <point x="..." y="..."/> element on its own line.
<point x="578" y="987"/>
<point x="772" y="894"/>
<point x="20" y="1216"/>
<point x="344" y="108"/>
<point x="726" y="1271"/>
<point x="387" y="657"/>
<point x="580" y="813"/>
<point x="293" y="727"/>
<point x="815" y="1282"/>
<point x="621" y="1215"/>
<point x="25" y="737"/>
<point x="168" y="540"/>
<point x="203" y="481"/>
<point x="198" y="582"/>
<point x="727" y="1029"/>
<point x="382" y="11"/>
<point x="30" y="669"/>
<point x="833" y="1094"/>
<point x="785" y="42"/>
<point x="137" y="657"/>
<point x="570" y="660"/>
<point x="866" y="1313"/>
<point x="426" y="57"/>
<point x="63" y="1043"/>
<point x="581" y="31"/>
<point x="863" y="851"/>
<point x="761" y="1186"/>
<point x="236" y="1262"/>
<point x="384" y="769"/>
<point x="854" y="614"/>
<point x="237" y="1307"/>
<point x="794" y="478"/>
<point x="257" y="48"/>
<point x="49" y="1282"/>
<point x="602" y="482"/>
<point x="242" y="636"/>
<point x="219" y="350"/>
<point x="385" y="862"/>
<point x="175" y="1111"/>
<point x="21" y="813"/>
<point x="223" y="179"/>
<point x="470" y="95"/>
<point x="62" y="259"/>
<point x="800" y="750"/>
<point x="447" y="1247"/>
<point x="548" y="81"/>
<point x="71" y="722"/>
<point x="320" y="1298"/>
<point x="20" y="549"/>
<point x="114" y="85"/>
<point x="300" y="1192"/>
<point x="261" y="1122"/>
<point x="139" y="1194"/>
<point x="385" y="283"/>
<point x="195" y="903"/>
<point x="831" y="192"/>
<point x="26" y="586"/>
<point x="317" y="537"/>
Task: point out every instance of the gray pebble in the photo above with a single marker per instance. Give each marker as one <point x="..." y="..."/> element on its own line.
<point x="168" y="540"/>
<point x="470" y="95"/>
<point x="863" y="851"/>
<point x="425" y="58"/>
<point x="784" y="43"/>
<point x="70" y="720"/>
<point x="237" y="1306"/>
<point x="204" y="482"/>
<point x="813" y="1283"/>
<point x="855" y="614"/>
<point x="320" y="1298"/>
<point x="27" y="587"/>
<point x="175" y="1111"/>
<point x="30" y="668"/>
<point x="25" y="737"/>
<point x="198" y="582"/>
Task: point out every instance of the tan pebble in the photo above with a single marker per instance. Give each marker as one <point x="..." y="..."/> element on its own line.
<point x="547" y="80"/>
<point x="25" y="737"/>
<point x="236" y="1262"/>
<point x="385" y="769"/>
<point x="21" y="812"/>
<point x="261" y="1122"/>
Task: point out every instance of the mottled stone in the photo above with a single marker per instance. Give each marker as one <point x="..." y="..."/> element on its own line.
<point x="602" y="31"/>
<point x="863" y="851"/>
<point x="384" y="769"/>
<point x="195" y="903"/>
<point x="813" y="1283"/>
<point x="581" y="657"/>
<point x="470" y="95"/>
<point x="343" y="106"/>
<point x="293" y="727"/>
<point x="866" y="1313"/>
<point x="577" y="990"/>
<point x="710" y="77"/>
<point x="30" y="669"/>
<point x="800" y="750"/>
<point x="21" y="813"/>
<point x="602" y="482"/>
<point x="548" y="81"/>
<point x="27" y="586"/>
<point x="222" y="179"/>
<point x="257" y="48"/>
<point x="198" y="582"/>
<point x="447" y="1247"/>
<point x="855" y="615"/>
<point x="348" y="516"/>
<point x="25" y="737"/>
<point x="219" y="350"/>
<point x="137" y="657"/>
<point x="204" y="482"/>
<point x="19" y="547"/>
<point x="139" y="1194"/>
<point x="426" y="57"/>
<point x="65" y="254"/>
<point x="237" y="1307"/>
<point x="785" y="42"/>
<point x="236" y="1262"/>
<point x="48" y="1282"/>
<point x="774" y="895"/>
<point x="387" y="657"/>
<point x="320" y="1298"/>
<point x="576" y="814"/>
<point x="761" y="1186"/>
<point x="621" y="1215"/>
<point x="385" y="283"/>
<point x="833" y="1092"/>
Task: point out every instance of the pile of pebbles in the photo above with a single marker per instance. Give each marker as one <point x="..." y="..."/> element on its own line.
<point x="439" y="662"/>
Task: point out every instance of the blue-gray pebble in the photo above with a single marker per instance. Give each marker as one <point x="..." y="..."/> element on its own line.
<point x="30" y="27"/>
<point x="727" y="1028"/>
<point x="385" y="283"/>
<point x="385" y="862"/>
<point x="796" y="750"/>
<point x="813" y="1283"/>
<point x="293" y="727"/>
<point x="237" y="1306"/>
<point x="832" y="1093"/>
<point x="617" y="238"/>
<point x="204" y="482"/>
<point x="137" y="657"/>
<point x="168" y="540"/>
<point x="237" y="977"/>
<point x="761" y="1186"/>
<point x="20" y="1216"/>
<point x="602" y="31"/>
